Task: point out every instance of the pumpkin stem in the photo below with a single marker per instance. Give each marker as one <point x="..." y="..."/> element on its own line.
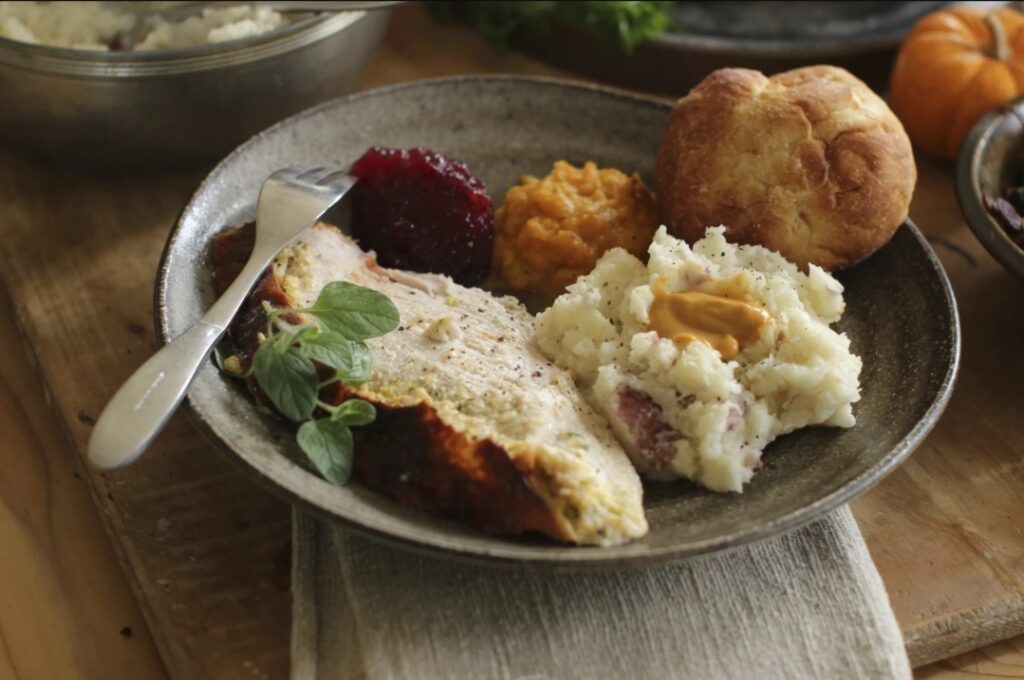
<point x="1001" y="47"/>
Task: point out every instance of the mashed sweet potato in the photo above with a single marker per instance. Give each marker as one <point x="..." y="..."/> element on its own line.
<point x="553" y="230"/>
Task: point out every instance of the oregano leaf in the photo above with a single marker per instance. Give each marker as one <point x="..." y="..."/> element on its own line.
<point x="351" y="359"/>
<point x="328" y="445"/>
<point x="288" y="379"/>
<point x="353" y="311"/>
<point x="355" y="412"/>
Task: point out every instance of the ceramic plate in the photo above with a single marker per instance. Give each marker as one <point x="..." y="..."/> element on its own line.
<point x="900" y="316"/>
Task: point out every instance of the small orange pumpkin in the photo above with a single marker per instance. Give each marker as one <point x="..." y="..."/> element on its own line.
<point x="953" y="68"/>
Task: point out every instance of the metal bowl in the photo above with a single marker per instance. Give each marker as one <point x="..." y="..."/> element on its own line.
<point x="134" y="108"/>
<point x="988" y="163"/>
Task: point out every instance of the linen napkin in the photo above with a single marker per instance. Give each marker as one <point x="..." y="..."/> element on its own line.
<point x="809" y="604"/>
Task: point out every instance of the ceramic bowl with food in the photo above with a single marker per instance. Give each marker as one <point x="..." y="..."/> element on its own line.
<point x="165" y="105"/>
<point x="989" y="177"/>
<point x="899" y="317"/>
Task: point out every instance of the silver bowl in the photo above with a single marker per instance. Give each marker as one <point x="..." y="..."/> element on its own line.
<point x="135" y="108"/>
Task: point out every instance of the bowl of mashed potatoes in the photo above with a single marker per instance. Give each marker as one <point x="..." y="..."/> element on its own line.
<point x="118" y="84"/>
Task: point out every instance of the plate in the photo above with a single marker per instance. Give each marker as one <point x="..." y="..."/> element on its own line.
<point x="989" y="161"/>
<point x="900" y="316"/>
<point x="862" y="37"/>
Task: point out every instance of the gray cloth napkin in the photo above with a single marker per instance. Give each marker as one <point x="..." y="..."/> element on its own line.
<point x="809" y="604"/>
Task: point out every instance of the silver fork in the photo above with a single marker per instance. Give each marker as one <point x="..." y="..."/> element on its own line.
<point x="290" y="201"/>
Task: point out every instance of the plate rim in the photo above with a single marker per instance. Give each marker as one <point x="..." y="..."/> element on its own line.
<point x="817" y="48"/>
<point x="582" y="557"/>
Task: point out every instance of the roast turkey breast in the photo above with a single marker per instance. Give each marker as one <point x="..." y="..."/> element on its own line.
<point x="473" y="420"/>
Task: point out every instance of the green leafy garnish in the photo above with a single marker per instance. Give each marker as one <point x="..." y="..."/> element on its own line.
<point x="343" y="316"/>
<point x="355" y="412"/>
<point x="328" y="444"/>
<point x="621" y="23"/>
<point x="353" y="311"/>
<point x="288" y="378"/>
<point x="352" y="360"/>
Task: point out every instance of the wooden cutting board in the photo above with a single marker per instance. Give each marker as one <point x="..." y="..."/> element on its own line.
<point x="207" y="552"/>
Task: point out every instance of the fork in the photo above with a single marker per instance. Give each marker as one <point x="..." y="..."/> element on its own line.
<point x="290" y="201"/>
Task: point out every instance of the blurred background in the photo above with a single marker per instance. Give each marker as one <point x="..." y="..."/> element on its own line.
<point x="120" y="83"/>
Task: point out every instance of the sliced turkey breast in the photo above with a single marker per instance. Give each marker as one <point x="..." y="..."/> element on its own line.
<point x="473" y="420"/>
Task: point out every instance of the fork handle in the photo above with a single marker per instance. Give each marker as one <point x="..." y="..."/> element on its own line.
<point x="143" y="405"/>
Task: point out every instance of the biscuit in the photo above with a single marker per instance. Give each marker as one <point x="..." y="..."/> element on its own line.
<point x="810" y="163"/>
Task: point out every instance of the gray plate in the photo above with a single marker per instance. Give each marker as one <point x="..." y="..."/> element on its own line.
<point x="901" y="317"/>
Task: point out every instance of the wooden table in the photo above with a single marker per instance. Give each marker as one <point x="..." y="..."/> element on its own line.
<point x="66" y="608"/>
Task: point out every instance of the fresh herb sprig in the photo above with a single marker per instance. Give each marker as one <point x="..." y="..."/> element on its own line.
<point x="621" y="23"/>
<point x="344" y="316"/>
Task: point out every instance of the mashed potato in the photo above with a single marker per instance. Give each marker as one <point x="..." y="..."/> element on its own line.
<point x="679" y="408"/>
<point x="214" y="25"/>
<point x="104" y="26"/>
<point x="78" y="25"/>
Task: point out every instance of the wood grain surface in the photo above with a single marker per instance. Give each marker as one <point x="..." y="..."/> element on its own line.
<point x="65" y="609"/>
<point x="1000" y="660"/>
<point x="946" y="529"/>
<point x="206" y="552"/>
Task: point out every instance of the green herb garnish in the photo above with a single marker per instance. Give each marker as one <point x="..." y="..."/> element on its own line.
<point x="620" y="23"/>
<point x="345" y="315"/>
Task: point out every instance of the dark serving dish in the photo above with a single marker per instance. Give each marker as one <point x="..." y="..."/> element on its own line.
<point x="991" y="160"/>
<point x="861" y="37"/>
